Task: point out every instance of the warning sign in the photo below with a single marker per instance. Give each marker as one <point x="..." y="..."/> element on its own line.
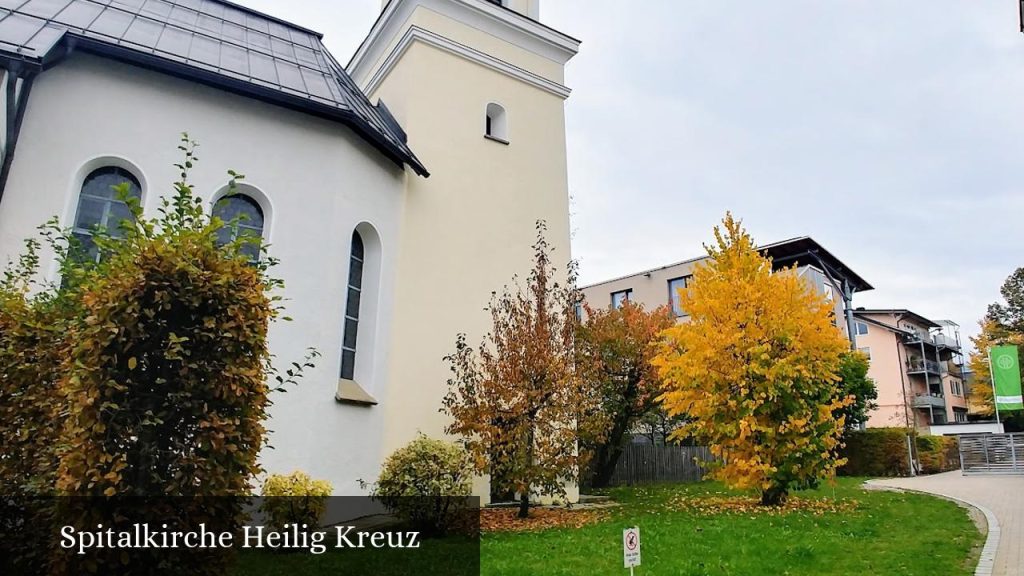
<point x="631" y="547"/>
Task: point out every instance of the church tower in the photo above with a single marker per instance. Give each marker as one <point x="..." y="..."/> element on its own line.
<point x="478" y="87"/>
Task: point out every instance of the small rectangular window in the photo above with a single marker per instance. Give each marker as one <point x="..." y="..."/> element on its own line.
<point x="620" y="298"/>
<point x="861" y="328"/>
<point x="674" y="287"/>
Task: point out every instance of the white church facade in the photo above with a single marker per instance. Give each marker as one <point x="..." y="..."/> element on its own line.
<point x="398" y="192"/>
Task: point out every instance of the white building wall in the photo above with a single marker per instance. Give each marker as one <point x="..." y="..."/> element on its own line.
<point x="318" y="181"/>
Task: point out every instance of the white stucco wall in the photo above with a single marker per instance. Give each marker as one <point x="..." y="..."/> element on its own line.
<point x="469" y="227"/>
<point x="319" y="181"/>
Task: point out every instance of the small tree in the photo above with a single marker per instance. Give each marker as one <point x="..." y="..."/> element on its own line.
<point x="1010" y="313"/>
<point x="515" y="398"/>
<point x="756" y="368"/>
<point x="615" y="348"/>
<point x="854" y="383"/>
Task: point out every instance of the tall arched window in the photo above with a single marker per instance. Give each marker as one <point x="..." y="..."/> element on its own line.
<point x="245" y="220"/>
<point x="496" y="123"/>
<point x="355" y="292"/>
<point x="99" y="206"/>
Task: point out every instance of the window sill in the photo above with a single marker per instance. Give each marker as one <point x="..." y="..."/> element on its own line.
<point x="351" y="393"/>
<point x="496" y="139"/>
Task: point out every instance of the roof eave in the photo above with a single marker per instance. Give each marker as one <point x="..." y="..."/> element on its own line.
<point x="71" y="42"/>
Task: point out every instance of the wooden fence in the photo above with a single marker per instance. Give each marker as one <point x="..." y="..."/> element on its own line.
<point x="650" y="464"/>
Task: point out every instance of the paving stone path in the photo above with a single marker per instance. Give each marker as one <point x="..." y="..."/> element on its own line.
<point x="1001" y="498"/>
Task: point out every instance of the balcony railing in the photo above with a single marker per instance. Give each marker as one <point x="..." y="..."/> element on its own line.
<point x="923" y="365"/>
<point x="934" y="339"/>
<point x="943" y="340"/>
<point x="929" y="400"/>
<point x="954" y="369"/>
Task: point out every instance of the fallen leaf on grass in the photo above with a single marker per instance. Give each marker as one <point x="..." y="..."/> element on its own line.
<point x="506" y="519"/>
<point x="749" y="505"/>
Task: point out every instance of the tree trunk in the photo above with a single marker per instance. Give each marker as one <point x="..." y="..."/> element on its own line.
<point x="524" y="504"/>
<point x="774" y="496"/>
<point x="608" y="454"/>
<point x="606" y="458"/>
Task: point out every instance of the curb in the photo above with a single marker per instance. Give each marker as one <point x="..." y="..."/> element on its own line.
<point x="987" y="559"/>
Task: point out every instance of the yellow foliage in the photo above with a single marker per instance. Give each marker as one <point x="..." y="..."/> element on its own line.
<point x="295" y="499"/>
<point x="755" y="369"/>
<point x="992" y="334"/>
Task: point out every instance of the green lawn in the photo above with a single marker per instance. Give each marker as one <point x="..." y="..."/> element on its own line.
<point x="888" y="533"/>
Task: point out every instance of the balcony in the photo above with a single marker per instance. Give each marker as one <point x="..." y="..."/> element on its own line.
<point x="938" y="340"/>
<point x="954" y="369"/>
<point x="944" y="341"/>
<point x="921" y="365"/>
<point x="929" y="400"/>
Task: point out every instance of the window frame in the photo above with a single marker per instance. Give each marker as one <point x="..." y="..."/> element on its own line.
<point x="79" y="231"/>
<point x="856" y="328"/>
<point x="496" y="126"/>
<point x="672" y="295"/>
<point x="242" y="224"/>
<point x="626" y="297"/>
<point x="349" y="354"/>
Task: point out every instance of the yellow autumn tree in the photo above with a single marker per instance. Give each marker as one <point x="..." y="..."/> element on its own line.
<point x="993" y="333"/>
<point x="755" y="370"/>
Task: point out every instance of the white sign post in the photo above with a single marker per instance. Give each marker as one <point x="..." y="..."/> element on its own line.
<point x="631" y="548"/>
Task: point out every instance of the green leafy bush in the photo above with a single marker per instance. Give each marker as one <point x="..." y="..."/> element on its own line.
<point x="144" y="373"/>
<point x="294" y="499"/>
<point x="426" y="483"/>
<point x="876" y="452"/>
<point x="938" y="454"/>
<point x="31" y="336"/>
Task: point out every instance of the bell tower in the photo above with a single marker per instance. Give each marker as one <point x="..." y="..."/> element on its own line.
<point x="479" y="88"/>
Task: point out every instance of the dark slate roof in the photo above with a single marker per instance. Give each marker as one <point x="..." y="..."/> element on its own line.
<point x="806" y="251"/>
<point x="211" y="41"/>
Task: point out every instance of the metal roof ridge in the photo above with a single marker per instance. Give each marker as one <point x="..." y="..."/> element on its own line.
<point x="283" y="22"/>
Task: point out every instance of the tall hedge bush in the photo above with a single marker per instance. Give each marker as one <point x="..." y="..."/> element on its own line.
<point x="31" y="333"/>
<point x="884" y="452"/>
<point x="143" y="374"/>
<point x="938" y="454"/>
<point x="876" y="452"/>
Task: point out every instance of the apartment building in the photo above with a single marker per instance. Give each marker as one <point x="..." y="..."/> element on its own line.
<point x="660" y="286"/>
<point x="917" y="365"/>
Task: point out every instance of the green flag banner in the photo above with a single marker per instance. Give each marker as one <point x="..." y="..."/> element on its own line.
<point x="1006" y="377"/>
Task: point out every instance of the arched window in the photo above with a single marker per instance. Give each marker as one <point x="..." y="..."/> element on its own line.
<point x="355" y="293"/>
<point x="496" y="123"/>
<point x="245" y="220"/>
<point x="99" y="205"/>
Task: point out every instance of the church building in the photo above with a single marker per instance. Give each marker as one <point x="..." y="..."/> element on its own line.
<point x="398" y="191"/>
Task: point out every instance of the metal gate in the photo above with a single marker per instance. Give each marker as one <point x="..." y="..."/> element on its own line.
<point x="992" y="454"/>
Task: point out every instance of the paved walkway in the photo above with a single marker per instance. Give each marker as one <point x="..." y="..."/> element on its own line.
<point x="998" y="496"/>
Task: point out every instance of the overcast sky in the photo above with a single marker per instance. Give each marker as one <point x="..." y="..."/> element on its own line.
<point x="891" y="131"/>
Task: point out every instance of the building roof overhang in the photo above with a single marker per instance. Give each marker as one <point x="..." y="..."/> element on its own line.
<point x="902" y="313"/>
<point x="37" y="41"/>
<point x="806" y="251"/>
<point x="797" y="251"/>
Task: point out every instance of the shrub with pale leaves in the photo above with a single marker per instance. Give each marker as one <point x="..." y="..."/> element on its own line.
<point x="295" y="499"/>
<point x="426" y="483"/>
